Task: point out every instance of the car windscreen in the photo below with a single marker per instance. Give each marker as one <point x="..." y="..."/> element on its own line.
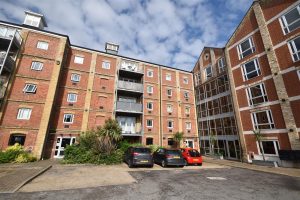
<point x="194" y="153"/>
<point x="173" y="152"/>
<point x="142" y="150"/>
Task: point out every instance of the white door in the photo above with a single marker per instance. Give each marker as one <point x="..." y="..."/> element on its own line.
<point x="189" y="143"/>
<point x="61" y="144"/>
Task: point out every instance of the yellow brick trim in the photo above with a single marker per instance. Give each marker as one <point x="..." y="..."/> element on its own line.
<point x="16" y="131"/>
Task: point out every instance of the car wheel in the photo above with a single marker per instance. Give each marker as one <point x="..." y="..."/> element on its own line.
<point x="200" y="164"/>
<point x="181" y="166"/>
<point x="150" y="166"/>
<point x="163" y="164"/>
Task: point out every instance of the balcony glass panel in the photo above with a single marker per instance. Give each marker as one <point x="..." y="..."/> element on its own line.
<point x="129" y="107"/>
<point x="126" y="85"/>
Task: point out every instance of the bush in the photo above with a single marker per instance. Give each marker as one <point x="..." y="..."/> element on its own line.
<point x="124" y="145"/>
<point x="154" y="147"/>
<point x="17" y="154"/>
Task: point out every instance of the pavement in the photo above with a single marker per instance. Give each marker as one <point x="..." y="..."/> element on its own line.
<point x="293" y="172"/>
<point x="14" y="176"/>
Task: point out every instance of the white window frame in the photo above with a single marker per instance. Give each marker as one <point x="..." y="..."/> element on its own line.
<point x="168" y="77"/>
<point x="148" y="106"/>
<point x="269" y="116"/>
<point x="72" y="118"/>
<point x="21" y="113"/>
<point x="284" y="24"/>
<point x="150" y="73"/>
<point x="221" y="64"/>
<point x="185" y="80"/>
<point x="42" y="45"/>
<point x="239" y="47"/>
<point x="189" y="110"/>
<point x="32" y="20"/>
<point x="188" y="125"/>
<point x="149" y="120"/>
<point x="70" y="99"/>
<point x="73" y="79"/>
<point x="275" y="147"/>
<point x="168" y="123"/>
<point x="206" y="74"/>
<point x="27" y="87"/>
<point x="78" y="59"/>
<point x="169" y="108"/>
<point x="293" y="50"/>
<point x="37" y="66"/>
<point x="257" y="69"/>
<point x="186" y="95"/>
<point x="149" y="89"/>
<point x="263" y="92"/>
<point x="298" y="72"/>
<point x="169" y="94"/>
<point x="105" y="64"/>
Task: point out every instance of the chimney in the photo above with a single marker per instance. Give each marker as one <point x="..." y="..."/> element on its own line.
<point x="111" y="48"/>
<point x="35" y="20"/>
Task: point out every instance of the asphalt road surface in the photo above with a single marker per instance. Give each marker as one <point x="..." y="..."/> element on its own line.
<point x="232" y="183"/>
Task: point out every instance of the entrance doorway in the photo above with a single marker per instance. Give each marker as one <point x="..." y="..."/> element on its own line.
<point x="61" y="144"/>
<point x="189" y="143"/>
<point x="232" y="149"/>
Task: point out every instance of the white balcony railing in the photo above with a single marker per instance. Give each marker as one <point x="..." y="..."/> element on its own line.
<point x="125" y="85"/>
<point x="129" y="107"/>
<point x="10" y="33"/>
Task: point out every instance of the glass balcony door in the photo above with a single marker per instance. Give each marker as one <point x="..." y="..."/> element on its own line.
<point x="127" y="124"/>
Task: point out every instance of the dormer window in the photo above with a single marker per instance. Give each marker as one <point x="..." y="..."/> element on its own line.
<point x="35" y="19"/>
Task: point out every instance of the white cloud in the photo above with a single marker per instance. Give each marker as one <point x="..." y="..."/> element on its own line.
<point x="168" y="32"/>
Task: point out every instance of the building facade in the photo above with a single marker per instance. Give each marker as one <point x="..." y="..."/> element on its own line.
<point x="263" y="66"/>
<point x="52" y="91"/>
<point x="216" y="119"/>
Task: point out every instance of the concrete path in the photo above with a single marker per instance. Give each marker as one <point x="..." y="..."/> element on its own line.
<point x="293" y="172"/>
<point x="14" y="176"/>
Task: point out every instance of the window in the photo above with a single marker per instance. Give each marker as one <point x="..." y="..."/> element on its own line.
<point x="169" y="108"/>
<point x="187" y="110"/>
<point x="291" y="20"/>
<point x="269" y="147"/>
<point x="188" y="125"/>
<point x="78" y="60"/>
<point x="170" y="141"/>
<point x="298" y="72"/>
<point x="24" y="113"/>
<point x="294" y="47"/>
<point x="149" y="89"/>
<point x="32" y="20"/>
<point x="17" y="138"/>
<point x="168" y="77"/>
<point x="38" y="66"/>
<point x="68" y="118"/>
<point x="263" y="120"/>
<point x="185" y="80"/>
<point x="149" y="105"/>
<point x="42" y="45"/>
<point x="257" y="94"/>
<point x="221" y="64"/>
<point x="149" y="73"/>
<point x="106" y="65"/>
<point x="197" y="78"/>
<point x="72" y="97"/>
<point x="170" y="124"/>
<point x="186" y="95"/>
<point x="149" y="123"/>
<point x="149" y="141"/>
<point x="75" y="77"/>
<point x="246" y="48"/>
<point x="169" y="92"/>
<point x="29" y="88"/>
<point x="208" y="72"/>
<point x="251" y="69"/>
<point x="206" y="56"/>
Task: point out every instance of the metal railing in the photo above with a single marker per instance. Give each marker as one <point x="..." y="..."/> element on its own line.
<point x="138" y="132"/>
<point x="129" y="107"/>
<point x="10" y="33"/>
<point x="131" y="66"/>
<point x="126" y="85"/>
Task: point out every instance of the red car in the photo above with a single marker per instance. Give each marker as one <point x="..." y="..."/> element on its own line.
<point x="191" y="156"/>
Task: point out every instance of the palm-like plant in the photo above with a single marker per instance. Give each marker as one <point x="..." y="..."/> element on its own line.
<point x="258" y="137"/>
<point x="178" y="137"/>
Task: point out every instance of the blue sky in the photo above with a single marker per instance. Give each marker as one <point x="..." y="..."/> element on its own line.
<point x="167" y="32"/>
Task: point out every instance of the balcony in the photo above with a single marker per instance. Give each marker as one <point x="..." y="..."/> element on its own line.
<point x="10" y="33"/>
<point x="7" y="62"/>
<point x="132" y="133"/>
<point x="129" y="107"/>
<point x="126" y="85"/>
<point x="131" y="66"/>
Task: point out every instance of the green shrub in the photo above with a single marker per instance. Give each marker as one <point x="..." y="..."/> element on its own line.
<point x="153" y="147"/>
<point x="124" y="145"/>
<point x="16" y="153"/>
<point x="78" y="154"/>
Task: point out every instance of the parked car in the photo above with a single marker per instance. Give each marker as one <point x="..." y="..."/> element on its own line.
<point x="191" y="156"/>
<point x="138" y="156"/>
<point x="168" y="157"/>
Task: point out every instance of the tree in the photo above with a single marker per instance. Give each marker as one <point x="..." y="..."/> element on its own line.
<point x="178" y="137"/>
<point x="213" y="139"/>
<point x="258" y="137"/>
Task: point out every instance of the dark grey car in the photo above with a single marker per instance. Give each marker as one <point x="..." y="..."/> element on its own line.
<point x="168" y="157"/>
<point x="138" y="156"/>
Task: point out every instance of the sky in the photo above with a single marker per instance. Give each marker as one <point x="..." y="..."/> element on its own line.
<point x="166" y="32"/>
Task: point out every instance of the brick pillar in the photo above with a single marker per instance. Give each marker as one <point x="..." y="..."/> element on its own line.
<point x="43" y="130"/>
<point x="88" y="97"/>
<point x="179" y="102"/>
<point x="277" y="77"/>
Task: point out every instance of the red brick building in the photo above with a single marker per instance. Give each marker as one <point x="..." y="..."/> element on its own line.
<point x="263" y="66"/>
<point x="51" y="91"/>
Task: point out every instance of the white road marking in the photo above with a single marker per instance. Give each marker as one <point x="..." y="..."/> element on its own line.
<point x="216" y="178"/>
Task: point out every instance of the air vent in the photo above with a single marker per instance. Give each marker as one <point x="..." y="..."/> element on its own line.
<point x="103" y="87"/>
<point x="169" y="97"/>
<point x="149" y="112"/>
<point x="170" y="113"/>
<point x="187" y="115"/>
<point x="70" y="104"/>
<point x="101" y="107"/>
<point x="170" y="130"/>
<point x="149" y="129"/>
<point x="67" y="126"/>
<point x="74" y="83"/>
<point x="150" y="94"/>
<point x="188" y="131"/>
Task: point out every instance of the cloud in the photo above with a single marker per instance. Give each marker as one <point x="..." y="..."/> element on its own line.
<point x="168" y="32"/>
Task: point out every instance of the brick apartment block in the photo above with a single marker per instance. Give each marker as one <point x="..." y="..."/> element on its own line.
<point x="51" y="91"/>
